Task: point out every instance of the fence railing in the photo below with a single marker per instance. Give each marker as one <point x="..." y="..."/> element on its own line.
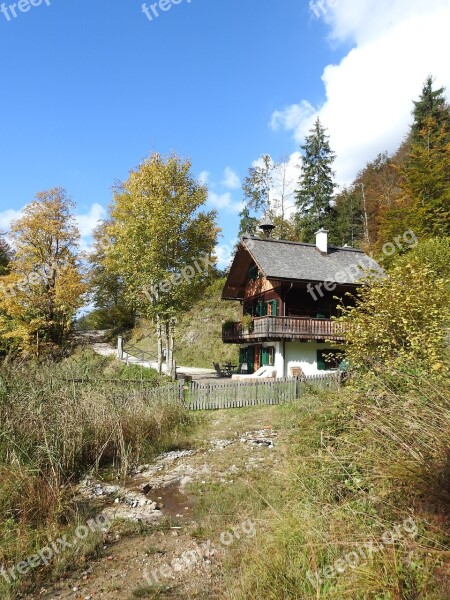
<point x="284" y="328"/>
<point x="197" y="395"/>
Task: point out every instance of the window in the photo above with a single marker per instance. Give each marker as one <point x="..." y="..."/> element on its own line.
<point x="261" y="309"/>
<point x="272" y="308"/>
<point x="328" y="359"/>
<point x="267" y="356"/>
<point x="253" y="273"/>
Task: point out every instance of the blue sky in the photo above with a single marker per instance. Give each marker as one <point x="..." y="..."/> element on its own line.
<point x="89" y="88"/>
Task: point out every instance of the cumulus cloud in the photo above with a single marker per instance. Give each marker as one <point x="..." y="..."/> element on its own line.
<point x="204" y="177"/>
<point x="88" y="221"/>
<point x="7" y="217"/>
<point x="224" y="202"/>
<point x="231" y="179"/>
<point x="369" y="94"/>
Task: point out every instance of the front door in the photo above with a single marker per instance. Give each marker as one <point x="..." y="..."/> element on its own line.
<point x="257" y="357"/>
<point x="247" y="357"/>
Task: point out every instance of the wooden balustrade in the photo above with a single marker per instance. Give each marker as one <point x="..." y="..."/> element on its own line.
<point x="284" y="328"/>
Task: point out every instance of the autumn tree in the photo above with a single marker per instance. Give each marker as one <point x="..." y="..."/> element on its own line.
<point x="163" y="243"/>
<point x="402" y="318"/>
<point x="43" y="289"/>
<point x="316" y="184"/>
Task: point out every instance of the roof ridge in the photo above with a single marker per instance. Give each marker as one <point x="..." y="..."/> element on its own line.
<point x="258" y="239"/>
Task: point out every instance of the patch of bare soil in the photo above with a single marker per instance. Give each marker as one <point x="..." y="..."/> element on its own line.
<point x="168" y="558"/>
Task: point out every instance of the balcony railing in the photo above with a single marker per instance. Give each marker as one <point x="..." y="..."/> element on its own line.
<point x="283" y="328"/>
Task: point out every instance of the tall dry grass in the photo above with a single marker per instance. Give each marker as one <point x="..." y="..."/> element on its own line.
<point x="53" y="431"/>
<point x="357" y="465"/>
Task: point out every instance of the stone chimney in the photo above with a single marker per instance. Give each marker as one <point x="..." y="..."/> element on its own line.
<point x="322" y="240"/>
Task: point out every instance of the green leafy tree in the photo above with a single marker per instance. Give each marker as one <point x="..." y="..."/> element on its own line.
<point x="107" y="289"/>
<point x="316" y="185"/>
<point x="162" y="243"/>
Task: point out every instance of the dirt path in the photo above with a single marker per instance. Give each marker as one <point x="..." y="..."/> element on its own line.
<point x="169" y="555"/>
<point x="96" y="340"/>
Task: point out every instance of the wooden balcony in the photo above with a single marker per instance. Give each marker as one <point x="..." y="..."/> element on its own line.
<point x="283" y="328"/>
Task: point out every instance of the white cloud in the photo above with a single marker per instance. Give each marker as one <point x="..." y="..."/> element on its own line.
<point x="88" y="221"/>
<point x="7" y="217"/>
<point x="224" y="202"/>
<point x="204" y="177"/>
<point x="369" y="94"/>
<point x="231" y="179"/>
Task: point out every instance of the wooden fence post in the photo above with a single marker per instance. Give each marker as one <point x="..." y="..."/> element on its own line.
<point x="120" y="347"/>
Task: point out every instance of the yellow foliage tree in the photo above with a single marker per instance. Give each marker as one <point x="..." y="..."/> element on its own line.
<point x="162" y="244"/>
<point x="43" y="288"/>
<point x="400" y="319"/>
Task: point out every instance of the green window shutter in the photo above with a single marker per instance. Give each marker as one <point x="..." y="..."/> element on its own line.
<point x="321" y="365"/>
<point x="264" y="357"/>
<point x="274" y="304"/>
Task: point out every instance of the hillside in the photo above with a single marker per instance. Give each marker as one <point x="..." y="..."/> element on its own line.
<point x="198" y="332"/>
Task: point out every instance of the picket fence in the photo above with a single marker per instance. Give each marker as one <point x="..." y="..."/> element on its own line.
<point x="197" y="395"/>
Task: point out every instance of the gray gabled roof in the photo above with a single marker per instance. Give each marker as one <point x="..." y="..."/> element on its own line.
<point x="279" y="259"/>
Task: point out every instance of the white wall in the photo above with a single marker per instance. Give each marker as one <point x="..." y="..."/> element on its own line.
<point x="303" y="355"/>
<point x="298" y="354"/>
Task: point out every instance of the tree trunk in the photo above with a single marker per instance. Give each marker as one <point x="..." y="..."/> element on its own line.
<point x="159" y="343"/>
<point x="173" y="371"/>
<point x="168" y="355"/>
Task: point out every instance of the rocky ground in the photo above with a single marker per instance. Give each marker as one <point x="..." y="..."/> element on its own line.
<point x="156" y="548"/>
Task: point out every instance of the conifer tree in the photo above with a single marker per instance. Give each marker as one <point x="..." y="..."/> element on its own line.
<point x="317" y="184"/>
<point x="431" y="104"/>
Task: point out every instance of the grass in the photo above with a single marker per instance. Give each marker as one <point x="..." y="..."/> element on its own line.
<point x="151" y="591"/>
<point x="198" y="331"/>
<point x="51" y="434"/>
<point x="357" y="466"/>
<point x="353" y="467"/>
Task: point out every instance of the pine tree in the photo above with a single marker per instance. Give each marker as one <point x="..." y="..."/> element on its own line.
<point x="431" y="104"/>
<point x="316" y="183"/>
<point x="5" y="255"/>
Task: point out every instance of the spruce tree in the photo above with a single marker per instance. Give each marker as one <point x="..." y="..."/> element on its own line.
<point x="432" y="104"/>
<point x="316" y="185"/>
<point x="5" y="255"/>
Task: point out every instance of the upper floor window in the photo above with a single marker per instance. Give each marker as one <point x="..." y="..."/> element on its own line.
<point x="253" y="273"/>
